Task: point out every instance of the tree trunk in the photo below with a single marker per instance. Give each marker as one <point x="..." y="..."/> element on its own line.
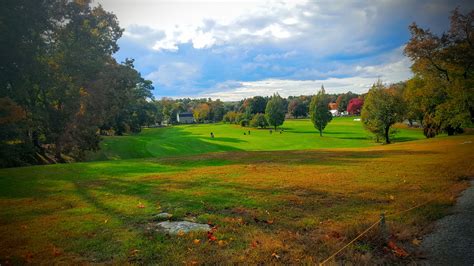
<point x="387" y="135"/>
<point x="320" y="128"/>
<point x="58" y="153"/>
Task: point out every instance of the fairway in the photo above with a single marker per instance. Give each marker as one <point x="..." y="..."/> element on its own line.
<point x="293" y="195"/>
<point x="342" y="132"/>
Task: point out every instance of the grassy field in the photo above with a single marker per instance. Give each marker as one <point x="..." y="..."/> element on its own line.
<point x="289" y="198"/>
<point x="298" y="134"/>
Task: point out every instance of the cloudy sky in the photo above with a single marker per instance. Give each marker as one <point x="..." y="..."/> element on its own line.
<point x="236" y="49"/>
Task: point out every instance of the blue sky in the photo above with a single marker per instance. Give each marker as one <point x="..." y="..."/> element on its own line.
<point x="237" y="49"/>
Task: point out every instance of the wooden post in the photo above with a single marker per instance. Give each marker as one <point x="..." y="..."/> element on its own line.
<point x="383" y="228"/>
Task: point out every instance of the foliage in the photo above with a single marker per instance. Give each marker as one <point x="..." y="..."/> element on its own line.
<point x="355" y="106"/>
<point x="298" y="107"/>
<point x="444" y="76"/>
<point x="230" y="117"/>
<point x="244" y="122"/>
<point x="254" y="105"/>
<point x="259" y="120"/>
<point x="57" y="66"/>
<point x="344" y="99"/>
<point x="383" y="107"/>
<point x="319" y="111"/>
<point x="275" y="111"/>
<point x="201" y="112"/>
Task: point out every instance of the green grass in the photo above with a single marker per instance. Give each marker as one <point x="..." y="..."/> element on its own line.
<point x="317" y="192"/>
<point x="342" y="132"/>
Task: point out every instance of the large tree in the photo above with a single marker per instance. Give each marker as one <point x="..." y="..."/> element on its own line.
<point x="275" y="111"/>
<point x="57" y="66"/>
<point x="383" y="107"/>
<point x="319" y="110"/>
<point x="444" y="75"/>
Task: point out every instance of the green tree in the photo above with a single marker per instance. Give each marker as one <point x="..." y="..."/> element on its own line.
<point x="383" y="107"/>
<point x="275" y="111"/>
<point x="297" y="108"/>
<point x="257" y="105"/>
<point x="319" y="111"/>
<point x="259" y="120"/>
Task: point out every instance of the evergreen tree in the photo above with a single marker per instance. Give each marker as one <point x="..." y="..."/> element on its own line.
<point x="319" y="111"/>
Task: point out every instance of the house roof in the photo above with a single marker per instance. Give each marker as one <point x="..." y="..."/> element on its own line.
<point x="185" y="114"/>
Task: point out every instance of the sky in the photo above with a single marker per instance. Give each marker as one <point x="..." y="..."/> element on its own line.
<point x="231" y="50"/>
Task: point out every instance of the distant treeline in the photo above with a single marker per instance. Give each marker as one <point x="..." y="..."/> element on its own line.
<point x="206" y="110"/>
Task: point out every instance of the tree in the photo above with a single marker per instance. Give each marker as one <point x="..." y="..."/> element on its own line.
<point x="201" y="112"/>
<point x="230" y="117"/>
<point x="57" y="66"/>
<point x="355" y="106"/>
<point x="383" y="107"/>
<point x="444" y="71"/>
<point x="257" y="105"/>
<point x="275" y="111"/>
<point x="319" y="111"/>
<point x="259" y="120"/>
<point x="297" y="108"/>
<point x="216" y="112"/>
<point x="343" y="100"/>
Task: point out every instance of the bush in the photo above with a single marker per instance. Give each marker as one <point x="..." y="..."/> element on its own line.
<point x="244" y="122"/>
<point x="259" y="120"/>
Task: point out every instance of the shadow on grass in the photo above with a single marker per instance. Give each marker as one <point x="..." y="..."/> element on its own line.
<point x="165" y="142"/>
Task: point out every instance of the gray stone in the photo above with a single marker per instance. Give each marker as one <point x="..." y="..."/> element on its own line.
<point x="183" y="226"/>
<point x="162" y="216"/>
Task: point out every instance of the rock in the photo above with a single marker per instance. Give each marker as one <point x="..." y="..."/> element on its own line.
<point x="162" y="216"/>
<point x="183" y="226"/>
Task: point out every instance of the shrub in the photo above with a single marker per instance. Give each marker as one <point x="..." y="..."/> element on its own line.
<point x="259" y="120"/>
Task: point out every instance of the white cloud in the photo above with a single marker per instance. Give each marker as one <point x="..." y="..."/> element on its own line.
<point x="174" y="74"/>
<point x="323" y="27"/>
<point x="359" y="80"/>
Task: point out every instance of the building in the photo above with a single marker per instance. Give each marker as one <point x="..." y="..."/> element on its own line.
<point x="185" y="118"/>
<point x="335" y="112"/>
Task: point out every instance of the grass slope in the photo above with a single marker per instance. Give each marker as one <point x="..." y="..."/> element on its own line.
<point x="301" y="205"/>
<point x="342" y="132"/>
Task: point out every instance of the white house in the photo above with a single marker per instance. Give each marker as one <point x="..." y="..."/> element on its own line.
<point x="334" y="112"/>
<point x="185" y="118"/>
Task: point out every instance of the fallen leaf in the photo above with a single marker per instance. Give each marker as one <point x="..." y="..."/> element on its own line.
<point x="416" y="242"/>
<point x="392" y="197"/>
<point x="276" y="256"/>
<point x="197" y="241"/>
<point x="181" y="233"/>
<point x="134" y="252"/>
<point x="140" y="205"/>
<point x="221" y="243"/>
<point x="254" y="244"/>
<point x="106" y="221"/>
<point x="397" y="250"/>
<point x="56" y="251"/>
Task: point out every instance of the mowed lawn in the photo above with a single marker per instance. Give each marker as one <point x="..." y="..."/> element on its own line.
<point x="342" y="132"/>
<point x="280" y="205"/>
